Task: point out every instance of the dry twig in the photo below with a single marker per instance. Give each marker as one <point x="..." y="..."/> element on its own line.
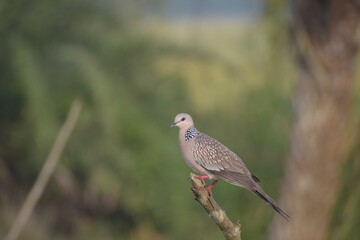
<point x="46" y="172"/>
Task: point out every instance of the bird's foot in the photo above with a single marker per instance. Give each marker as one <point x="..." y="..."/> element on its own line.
<point x="202" y="177"/>
<point x="208" y="188"/>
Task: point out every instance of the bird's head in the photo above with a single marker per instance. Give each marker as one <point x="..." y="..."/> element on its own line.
<point x="183" y="120"/>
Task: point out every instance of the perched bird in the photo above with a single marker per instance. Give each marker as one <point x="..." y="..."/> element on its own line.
<point x="212" y="160"/>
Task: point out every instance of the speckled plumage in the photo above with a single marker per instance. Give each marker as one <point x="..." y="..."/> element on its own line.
<point x="207" y="156"/>
<point x="220" y="161"/>
<point x="190" y="133"/>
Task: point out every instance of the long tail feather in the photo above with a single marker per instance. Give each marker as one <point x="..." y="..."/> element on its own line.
<point x="258" y="191"/>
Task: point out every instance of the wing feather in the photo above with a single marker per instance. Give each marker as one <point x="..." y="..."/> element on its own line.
<point x="220" y="161"/>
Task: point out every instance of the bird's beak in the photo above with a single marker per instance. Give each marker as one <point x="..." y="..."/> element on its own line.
<point x="174" y="124"/>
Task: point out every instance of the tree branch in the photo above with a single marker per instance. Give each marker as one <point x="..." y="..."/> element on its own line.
<point x="230" y="230"/>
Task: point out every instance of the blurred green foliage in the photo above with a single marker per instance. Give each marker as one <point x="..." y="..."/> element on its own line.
<point x="121" y="176"/>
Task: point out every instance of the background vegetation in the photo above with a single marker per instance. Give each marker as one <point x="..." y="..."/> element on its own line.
<point x="121" y="175"/>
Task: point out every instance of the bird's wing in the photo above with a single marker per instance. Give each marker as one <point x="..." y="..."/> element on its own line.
<point x="220" y="161"/>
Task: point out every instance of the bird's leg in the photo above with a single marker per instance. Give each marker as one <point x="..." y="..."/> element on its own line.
<point x="211" y="186"/>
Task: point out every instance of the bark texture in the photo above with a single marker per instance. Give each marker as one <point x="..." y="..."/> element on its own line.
<point x="230" y="230"/>
<point x="326" y="36"/>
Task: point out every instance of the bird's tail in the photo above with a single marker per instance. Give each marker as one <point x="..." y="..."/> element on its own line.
<point x="258" y="191"/>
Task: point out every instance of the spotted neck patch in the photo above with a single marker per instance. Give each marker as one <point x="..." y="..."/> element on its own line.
<point x="191" y="133"/>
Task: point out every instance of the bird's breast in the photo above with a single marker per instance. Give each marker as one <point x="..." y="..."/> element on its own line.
<point x="186" y="148"/>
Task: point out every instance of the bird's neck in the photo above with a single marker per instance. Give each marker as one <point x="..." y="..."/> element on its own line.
<point x="190" y="133"/>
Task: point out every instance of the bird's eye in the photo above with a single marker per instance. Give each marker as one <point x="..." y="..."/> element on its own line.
<point x="183" y="119"/>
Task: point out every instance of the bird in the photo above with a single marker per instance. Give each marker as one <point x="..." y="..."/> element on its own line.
<point x="212" y="160"/>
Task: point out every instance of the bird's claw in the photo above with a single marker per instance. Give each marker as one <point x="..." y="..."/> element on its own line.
<point x="202" y="177"/>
